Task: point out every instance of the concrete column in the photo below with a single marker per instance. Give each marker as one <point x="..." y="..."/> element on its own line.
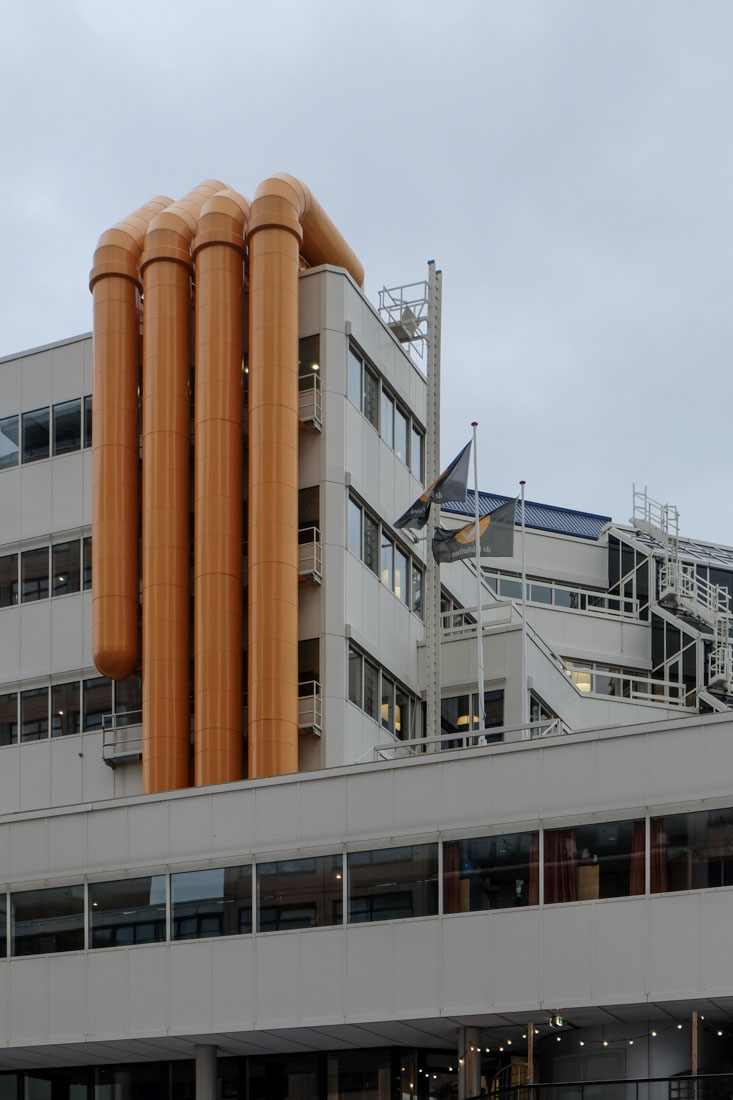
<point x="469" y="1062"/>
<point x="205" y="1073"/>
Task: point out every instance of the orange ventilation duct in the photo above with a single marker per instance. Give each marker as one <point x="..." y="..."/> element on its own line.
<point x="115" y="284"/>
<point x="166" y="267"/>
<point x="219" y="255"/>
<point x="208" y="225"/>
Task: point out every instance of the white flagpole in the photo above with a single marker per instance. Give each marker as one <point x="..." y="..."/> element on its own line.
<point x="479" y="623"/>
<point x="525" y="694"/>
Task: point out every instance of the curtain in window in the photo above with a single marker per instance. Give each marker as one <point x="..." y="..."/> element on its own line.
<point x="561" y="866"/>
<point x="638" y="846"/>
<point x="451" y="876"/>
<point x="659" y="856"/>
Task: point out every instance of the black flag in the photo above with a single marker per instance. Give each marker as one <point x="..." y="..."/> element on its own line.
<point x="450" y="485"/>
<point x="496" y="537"/>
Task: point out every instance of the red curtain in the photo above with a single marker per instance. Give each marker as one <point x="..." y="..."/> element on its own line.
<point x="561" y="866"/>
<point x="534" y="870"/>
<point x="452" y="877"/>
<point x="659" y="856"/>
<point x="638" y="848"/>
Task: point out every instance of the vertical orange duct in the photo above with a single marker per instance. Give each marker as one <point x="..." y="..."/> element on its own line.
<point x="166" y="267"/>
<point x="219" y="256"/>
<point x="274" y="237"/>
<point x="115" y="284"/>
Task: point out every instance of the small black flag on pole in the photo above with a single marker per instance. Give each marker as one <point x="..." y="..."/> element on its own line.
<point x="496" y="537"/>
<point x="450" y="485"/>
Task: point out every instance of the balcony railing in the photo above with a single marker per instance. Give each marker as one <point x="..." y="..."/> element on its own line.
<point x="309" y="400"/>
<point x="122" y="737"/>
<point x="708" y="1086"/>
<point x="309" y="707"/>
<point x="309" y="553"/>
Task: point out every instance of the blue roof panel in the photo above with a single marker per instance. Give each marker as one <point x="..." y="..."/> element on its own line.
<point x="539" y="517"/>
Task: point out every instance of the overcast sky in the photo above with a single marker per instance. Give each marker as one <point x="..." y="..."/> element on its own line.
<point x="567" y="164"/>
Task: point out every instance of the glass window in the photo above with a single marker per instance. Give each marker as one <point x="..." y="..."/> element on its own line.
<point x="387" y="703"/>
<point x="355" y="664"/>
<point x="604" y="860"/>
<point x="65" y="567"/>
<point x="97" y="701"/>
<point x="540" y="593"/>
<point x="8" y="580"/>
<point x="387" y="560"/>
<point x="299" y="893"/>
<point x="3" y="930"/>
<point x="213" y="902"/>
<point x="401" y="574"/>
<point x="34" y="714"/>
<point x="355" y="515"/>
<point x="371" y="689"/>
<point x="387" y="418"/>
<point x="8" y="442"/>
<point x="88" y="420"/>
<point x="309" y="356"/>
<point x="496" y="872"/>
<point x="371" y="397"/>
<point x="126" y="911"/>
<point x="402" y="713"/>
<point x="65" y="712"/>
<point x="129" y="700"/>
<point x="47" y="921"/>
<point x="510" y="589"/>
<point x="67" y="427"/>
<point x="354" y="379"/>
<point x="88" y="561"/>
<point x="35" y="435"/>
<point x="9" y="718"/>
<point x="34" y="574"/>
<point x="416" y="601"/>
<point x="692" y="851"/>
<point x="416" y="453"/>
<point x="393" y="883"/>
<point x="371" y="543"/>
<point x="401" y="428"/>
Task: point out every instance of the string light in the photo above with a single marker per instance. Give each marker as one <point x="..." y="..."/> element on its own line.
<point x="582" y="1043"/>
<point x="654" y="1035"/>
<point x="720" y="1033"/>
<point x="631" y="1042"/>
<point x="679" y="1027"/>
<point x="605" y="1042"/>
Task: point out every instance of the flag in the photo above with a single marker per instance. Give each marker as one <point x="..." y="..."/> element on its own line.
<point x="496" y="537"/>
<point x="450" y="485"/>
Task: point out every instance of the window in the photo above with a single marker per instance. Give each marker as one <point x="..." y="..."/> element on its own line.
<point x="355" y="514"/>
<point x="88" y="420"/>
<point x="416" y="592"/>
<point x="371" y="397"/>
<point x="393" y="883"/>
<point x="401" y="575"/>
<point x="47" y="921"/>
<point x="367" y="391"/>
<point x="35" y="435"/>
<point x="355" y="394"/>
<point x="127" y="911"/>
<point x="416" y="453"/>
<point x="67" y="427"/>
<point x="355" y="667"/>
<point x="65" y="568"/>
<point x="603" y="860"/>
<point x="65" y="712"/>
<point x="9" y="718"/>
<point x="213" y="902"/>
<point x="34" y="714"/>
<point x="97" y="701"/>
<point x="381" y="697"/>
<point x="460" y="715"/>
<point x="299" y="893"/>
<point x="401" y="429"/>
<point x="128" y="700"/>
<point x="88" y="562"/>
<point x="387" y="419"/>
<point x="387" y="703"/>
<point x="370" y="541"/>
<point x="387" y="561"/>
<point x="8" y="442"/>
<point x="8" y="580"/>
<point x="371" y="689"/>
<point x="692" y="851"/>
<point x="34" y="575"/>
<point x="496" y="872"/>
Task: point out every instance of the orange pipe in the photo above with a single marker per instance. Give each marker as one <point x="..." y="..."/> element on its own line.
<point x="274" y="236"/>
<point x="219" y="256"/>
<point x="166" y="267"/>
<point x="115" y="284"/>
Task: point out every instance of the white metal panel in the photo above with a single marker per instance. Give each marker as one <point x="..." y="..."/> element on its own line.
<point x="233" y="983"/>
<point x="108" y="994"/>
<point x="322" y="961"/>
<point x="148" y="975"/>
<point x="67" y="496"/>
<point x="148" y="836"/>
<point x="674" y="946"/>
<point x="323" y="812"/>
<point x="278" y="980"/>
<point x="369" y="972"/>
<point x="465" y="963"/>
<point x="190" y="827"/>
<point x="10" y="528"/>
<point x="67" y="633"/>
<point x="35" y="639"/>
<point x="29" y="1000"/>
<point x="232" y="821"/>
<point x="35" y="499"/>
<point x="67" y="840"/>
<point x="35" y="380"/>
<point x="28" y="848"/>
<point x="68" y="371"/>
<point x="35" y="776"/>
<point x="515" y="962"/>
<point x="566" y="954"/>
<point x="66" y="999"/>
<point x="107" y="840"/>
<point x="417" y="952"/>
<point x="618" y="950"/>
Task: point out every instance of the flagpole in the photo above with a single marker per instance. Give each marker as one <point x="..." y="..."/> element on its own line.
<point x="525" y="694"/>
<point x="479" y="623"/>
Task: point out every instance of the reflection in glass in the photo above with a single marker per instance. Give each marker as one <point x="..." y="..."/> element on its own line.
<point x="9" y="718"/>
<point x="35" y="435"/>
<point x="400" y="574"/>
<point x="387" y="418"/>
<point x="214" y="902"/>
<point x="371" y="681"/>
<point x="127" y="911"/>
<point x="496" y="872"/>
<point x="65" y="567"/>
<point x="34" y="574"/>
<point x="8" y="580"/>
<point x="416" y="452"/>
<point x="371" y="397"/>
<point x="416" y="599"/>
<point x="8" y="442"/>
<point x="34" y="714"/>
<point x="88" y="420"/>
<point x="355" y="515"/>
<point x="129" y="700"/>
<point x="354" y="379"/>
<point x="46" y="921"/>
<point x="97" y="701"/>
<point x="88" y="561"/>
<point x="299" y="893"/>
<point x="355" y="666"/>
<point x="387" y="561"/>
<point x="604" y="860"/>
<point x="692" y="851"/>
<point x="387" y="703"/>
<point x="371" y="543"/>
<point x="393" y="883"/>
<point x="400" y="434"/>
<point x="65" y="713"/>
<point x="67" y="427"/>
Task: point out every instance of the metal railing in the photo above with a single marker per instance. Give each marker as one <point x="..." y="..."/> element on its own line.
<point x="468" y="739"/>
<point x="122" y="737"/>
<point x="564" y="597"/>
<point x="309" y="553"/>
<point x="310" y="406"/>
<point x="708" y="1086"/>
<point x="681" y="579"/>
<point x="309" y="707"/>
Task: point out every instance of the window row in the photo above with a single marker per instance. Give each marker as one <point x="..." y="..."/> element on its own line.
<point x="47" y="571"/>
<point x="58" y="430"/>
<point x="384" y="412"/>
<point x="382" y="697"/>
<point x="581" y="862"/>
<point x="377" y="548"/>
<point x="61" y="709"/>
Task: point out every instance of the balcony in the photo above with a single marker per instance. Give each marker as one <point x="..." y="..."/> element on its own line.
<point x="122" y="738"/>
<point x="309" y="554"/>
<point x="309" y="707"/>
<point x="309" y="401"/>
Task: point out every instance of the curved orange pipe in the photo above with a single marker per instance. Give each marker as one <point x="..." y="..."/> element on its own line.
<point x="115" y="284"/>
<point x="219" y="257"/>
<point x="284" y="213"/>
<point x="166" y="267"/>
